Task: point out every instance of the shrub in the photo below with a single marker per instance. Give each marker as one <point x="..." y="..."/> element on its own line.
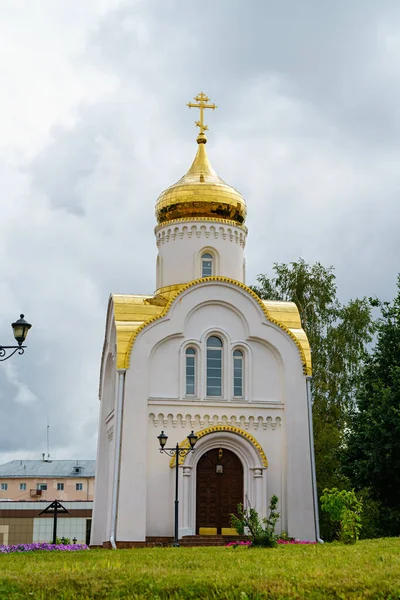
<point x="261" y="532"/>
<point x="344" y="510"/>
<point x="64" y="540"/>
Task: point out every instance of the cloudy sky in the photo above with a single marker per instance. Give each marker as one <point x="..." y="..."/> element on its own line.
<point x="93" y="126"/>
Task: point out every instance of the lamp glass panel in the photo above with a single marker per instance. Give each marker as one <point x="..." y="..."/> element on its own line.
<point x="19" y="332"/>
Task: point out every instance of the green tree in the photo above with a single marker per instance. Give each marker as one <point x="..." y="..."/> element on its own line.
<point x="261" y="531"/>
<point x="338" y="335"/>
<point x="344" y="510"/>
<point x="372" y="452"/>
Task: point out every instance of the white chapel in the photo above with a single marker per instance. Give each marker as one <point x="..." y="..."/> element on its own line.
<point x="203" y="354"/>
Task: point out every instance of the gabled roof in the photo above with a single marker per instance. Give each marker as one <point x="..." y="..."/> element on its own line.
<point x="132" y="313"/>
<point x="52" y="468"/>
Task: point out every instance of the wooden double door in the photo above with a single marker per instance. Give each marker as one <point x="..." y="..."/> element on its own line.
<point x="219" y="488"/>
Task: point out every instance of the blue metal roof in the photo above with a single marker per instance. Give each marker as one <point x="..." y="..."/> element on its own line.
<point x="48" y="468"/>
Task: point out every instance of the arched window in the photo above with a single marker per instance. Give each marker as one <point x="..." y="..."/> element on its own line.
<point x="214" y="366"/>
<point x="238" y="373"/>
<point x="190" y="372"/>
<point x="206" y="265"/>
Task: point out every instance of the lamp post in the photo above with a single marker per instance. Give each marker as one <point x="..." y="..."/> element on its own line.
<point x="177" y="452"/>
<point x="20" y="329"/>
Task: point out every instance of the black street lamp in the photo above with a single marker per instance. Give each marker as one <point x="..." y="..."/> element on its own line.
<point x="177" y="452"/>
<point x="20" y="329"/>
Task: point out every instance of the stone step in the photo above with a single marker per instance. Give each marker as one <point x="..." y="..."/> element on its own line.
<point x="202" y="545"/>
<point x="213" y="537"/>
<point x="203" y="537"/>
<point x="207" y="540"/>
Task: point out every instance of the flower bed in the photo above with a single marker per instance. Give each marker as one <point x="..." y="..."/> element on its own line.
<point x="245" y="543"/>
<point x="41" y="546"/>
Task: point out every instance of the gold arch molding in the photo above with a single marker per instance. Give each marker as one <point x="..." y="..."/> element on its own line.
<point x="302" y="346"/>
<point x="227" y="428"/>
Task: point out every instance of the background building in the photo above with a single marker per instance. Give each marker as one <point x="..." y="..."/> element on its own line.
<point x="47" y="480"/>
<point x="20" y="522"/>
<point x="28" y="486"/>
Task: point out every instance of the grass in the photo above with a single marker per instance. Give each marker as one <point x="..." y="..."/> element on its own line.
<point x="370" y="569"/>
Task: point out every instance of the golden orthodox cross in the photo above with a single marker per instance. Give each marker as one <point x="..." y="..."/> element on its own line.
<point x="201" y="103"/>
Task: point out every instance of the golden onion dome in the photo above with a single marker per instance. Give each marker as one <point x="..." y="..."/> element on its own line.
<point x="201" y="193"/>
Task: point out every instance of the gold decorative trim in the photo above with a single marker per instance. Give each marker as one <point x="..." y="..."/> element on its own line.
<point x="201" y="219"/>
<point x="230" y="429"/>
<point x="306" y="361"/>
<point x="167" y="289"/>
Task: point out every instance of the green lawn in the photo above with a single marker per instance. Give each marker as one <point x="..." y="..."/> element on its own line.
<point x="370" y="569"/>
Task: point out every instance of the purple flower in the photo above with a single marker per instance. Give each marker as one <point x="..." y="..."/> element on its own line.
<point x="41" y="546"/>
<point x="246" y="543"/>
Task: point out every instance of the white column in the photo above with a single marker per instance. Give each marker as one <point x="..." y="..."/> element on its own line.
<point x="186" y="503"/>
<point x="259" y="504"/>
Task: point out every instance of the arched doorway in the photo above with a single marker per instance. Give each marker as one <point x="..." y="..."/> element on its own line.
<point x="219" y="488"/>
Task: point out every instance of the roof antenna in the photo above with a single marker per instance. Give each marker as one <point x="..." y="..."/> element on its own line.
<point x="48" y="443"/>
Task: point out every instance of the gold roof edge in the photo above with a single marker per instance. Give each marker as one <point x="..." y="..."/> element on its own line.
<point x="222" y="221"/>
<point x="283" y="314"/>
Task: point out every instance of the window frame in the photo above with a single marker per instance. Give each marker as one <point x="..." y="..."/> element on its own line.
<point x="206" y="256"/>
<point x="240" y="357"/>
<point x="22" y="487"/>
<point x="191" y="353"/>
<point x="79" y="486"/>
<point x="42" y="487"/>
<point x="60" y="486"/>
<point x="221" y="350"/>
<point x="215" y="262"/>
<point x="4" y="486"/>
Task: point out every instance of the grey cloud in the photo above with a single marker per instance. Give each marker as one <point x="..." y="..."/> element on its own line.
<point x="306" y="129"/>
<point x="60" y="168"/>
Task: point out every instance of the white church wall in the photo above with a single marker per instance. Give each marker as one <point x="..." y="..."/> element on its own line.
<point x="110" y="459"/>
<point x="131" y="522"/>
<point x="160" y="483"/>
<point x="300" y="507"/>
<point x="209" y="313"/>
<point x="273" y="442"/>
<point x="164" y="367"/>
<point x="101" y="524"/>
<point x="100" y="504"/>
<point x="183" y="244"/>
<point x="277" y="418"/>
<point x="267" y="373"/>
